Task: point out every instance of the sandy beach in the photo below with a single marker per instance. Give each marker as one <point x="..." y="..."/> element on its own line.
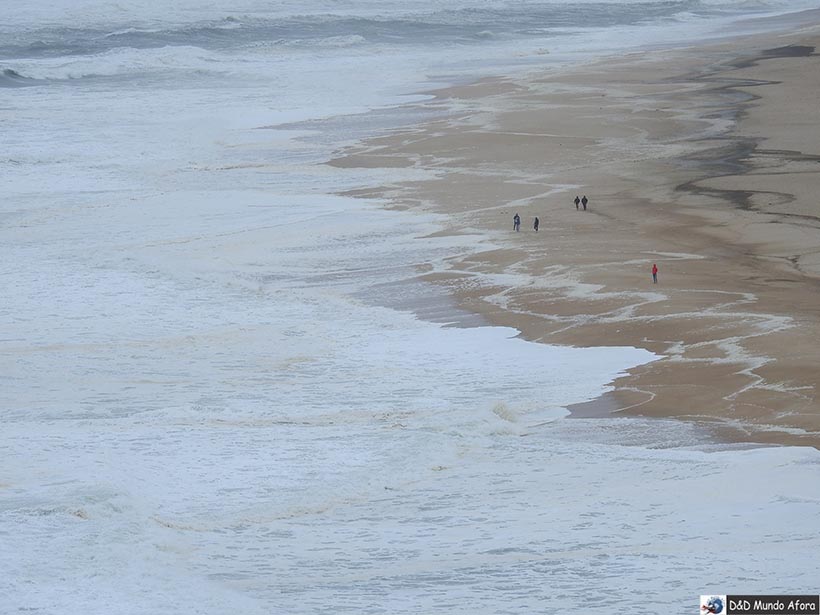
<point x="701" y="160"/>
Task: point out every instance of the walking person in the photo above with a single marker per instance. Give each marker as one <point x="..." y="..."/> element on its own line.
<point x="654" y="273"/>
<point x="535" y="224"/>
<point x="577" y="202"/>
<point x="516" y="222"/>
<point x="584" y="201"/>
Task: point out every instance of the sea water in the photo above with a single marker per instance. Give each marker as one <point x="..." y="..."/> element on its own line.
<point x="208" y="404"/>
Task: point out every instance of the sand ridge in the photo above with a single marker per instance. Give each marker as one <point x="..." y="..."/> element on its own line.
<point x="702" y="160"/>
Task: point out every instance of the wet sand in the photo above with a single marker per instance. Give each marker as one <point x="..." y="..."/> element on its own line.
<point x="703" y="160"/>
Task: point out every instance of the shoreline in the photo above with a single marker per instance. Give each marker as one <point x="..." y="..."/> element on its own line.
<point x="675" y="150"/>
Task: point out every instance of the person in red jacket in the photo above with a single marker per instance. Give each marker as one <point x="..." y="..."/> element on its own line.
<point x="654" y="273"/>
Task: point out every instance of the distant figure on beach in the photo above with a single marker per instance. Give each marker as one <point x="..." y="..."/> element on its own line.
<point x="654" y="273"/>
<point x="516" y="222"/>
<point x="584" y="202"/>
<point x="577" y="201"/>
<point x="535" y="224"/>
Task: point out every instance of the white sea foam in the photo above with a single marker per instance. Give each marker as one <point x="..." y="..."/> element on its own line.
<point x="120" y="62"/>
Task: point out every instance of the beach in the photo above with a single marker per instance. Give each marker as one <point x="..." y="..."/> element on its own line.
<point x="702" y="160"/>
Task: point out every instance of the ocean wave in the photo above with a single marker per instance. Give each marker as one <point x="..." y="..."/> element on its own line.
<point x="123" y="61"/>
<point x="61" y="42"/>
<point x="12" y="79"/>
<point x="331" y="42"/>
<point x="341" y="41"/>
<point x="395" y="25"/>
<point x="127" y="31"/>
<point x="471" y="24"/>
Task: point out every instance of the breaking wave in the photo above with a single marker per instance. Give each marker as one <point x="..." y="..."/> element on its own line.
<point x="12" y="79"/>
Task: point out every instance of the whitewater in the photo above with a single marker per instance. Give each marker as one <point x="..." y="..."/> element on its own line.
<point x="215" y="396"/>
